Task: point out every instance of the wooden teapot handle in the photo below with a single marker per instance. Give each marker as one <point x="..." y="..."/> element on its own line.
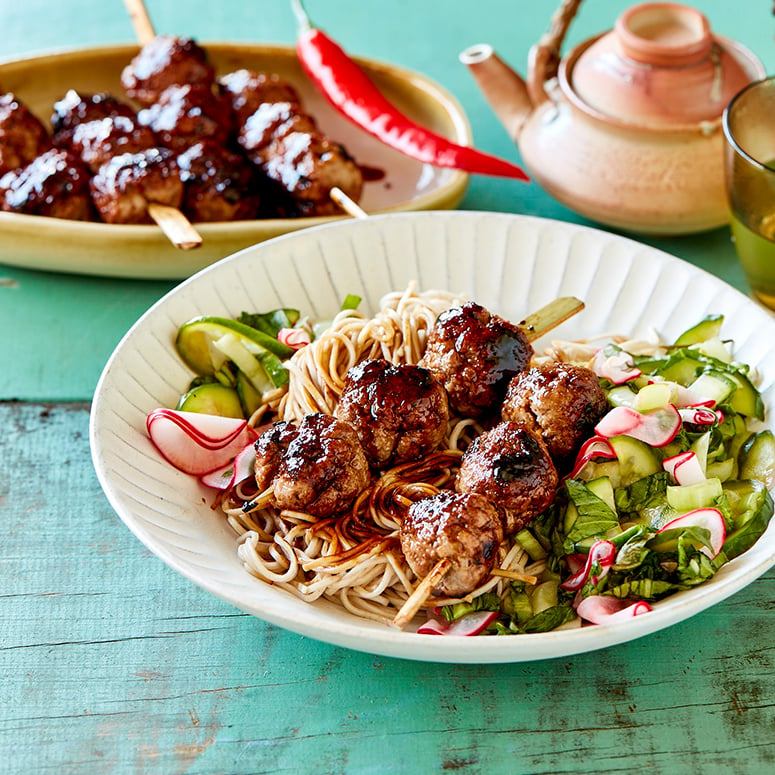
<point x="544" y="58"/>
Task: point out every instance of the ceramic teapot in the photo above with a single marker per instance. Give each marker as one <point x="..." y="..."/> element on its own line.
<point x="625" y="129"/>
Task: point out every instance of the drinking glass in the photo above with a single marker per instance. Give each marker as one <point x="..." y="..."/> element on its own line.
<point x="749" y="164"/>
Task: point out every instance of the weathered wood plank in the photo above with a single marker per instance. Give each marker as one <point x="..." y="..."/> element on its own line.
<point x="111" y="662"/>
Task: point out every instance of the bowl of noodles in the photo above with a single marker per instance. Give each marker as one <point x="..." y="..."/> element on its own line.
<point x="406" y="267"/>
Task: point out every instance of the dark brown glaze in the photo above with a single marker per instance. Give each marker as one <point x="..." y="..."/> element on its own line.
<point x="123" y="187"/>
<point x="248" y="91"/>
<point x="511" y="466"/>
<point x="22" y="135"/>
<point x="163" y="62"/>
<point x="465" y="529"/>
<point x="184" y="114"/>
<point x="321" y="466"/>
<point x="270" y="447"/>
<point x="399" y="411"/>
<point x="289" y="149"/>
<point x="75" y="109"/>
<point x="55" y="184"/>
<point x="99" y="140"/>
<point x="560" y="401"/>
<point x="474" y="354"/>
<point x="219" y="185"/>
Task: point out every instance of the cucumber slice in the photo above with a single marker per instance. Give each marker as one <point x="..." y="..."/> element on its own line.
<point x="195" y="340"/>
<point x="249" y="397"/>
<point x="654" y="396"/>
<point x="212" y="398"/>
<point x="694" y="496"/>
<point x="714" y="385"/>
<point x="636" y="459"/>
<point x="604" y="490"/>
<point x="757" y="459"/>
<point x="708" y="328"/>
<point x="544" y="596"/>
<point x="529" y="543"/>
<point x="746" y="399"/>
<point x="752" y="510"/>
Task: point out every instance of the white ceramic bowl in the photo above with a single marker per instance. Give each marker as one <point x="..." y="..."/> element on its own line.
<point x="510" y="264"/>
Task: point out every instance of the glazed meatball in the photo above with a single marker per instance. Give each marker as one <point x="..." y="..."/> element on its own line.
<point x="511" y="466"/>
<point x="98" y="141"/>
<point x="270" y="448"/>
<point x="289" y="149"/>
<point x="474" y="354"/>
<point x="162" y="62"/>
<point x="562" y="402"/>
<point x="317" y="467"/>
<point x="249" y="90"/>
<point x="464" y="528"/>
<point x="75" y="109"/>
<point x="219" y="185"/>
<point x="55" y="184"/>
<point x="123" y="187"/>
<point x="399" y="411"/>
<point x="22" y="136"/>
<point x="185" y="114"/>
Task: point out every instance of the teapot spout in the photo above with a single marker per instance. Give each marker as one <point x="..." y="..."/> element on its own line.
<point x="505" y="90"/>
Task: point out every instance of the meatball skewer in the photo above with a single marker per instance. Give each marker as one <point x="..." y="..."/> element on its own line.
<point x="509" y="468"/>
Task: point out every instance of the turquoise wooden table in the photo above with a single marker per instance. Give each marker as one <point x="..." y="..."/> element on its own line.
<point x="112" y="663"/>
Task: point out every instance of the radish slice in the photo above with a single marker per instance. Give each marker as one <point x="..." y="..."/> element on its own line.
<point x="602" y="553"/>
<point x="685" y="397"/>
<point x="602" y="609"/>
<point x="618" y="368"/>
<point x="685" y="468"/>
<point x="197" y="443"/>
<point x="595" y="447"/>
<point x="656" y="428"/>
<point x="708" y="518"/>
<point x="470" y="624"/>
<point x="234" y="472"/>
<point x="700" y="415"/>
<point x="295" y="338"/>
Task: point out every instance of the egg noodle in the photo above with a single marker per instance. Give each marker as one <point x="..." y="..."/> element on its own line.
<point x="354" y="559"/>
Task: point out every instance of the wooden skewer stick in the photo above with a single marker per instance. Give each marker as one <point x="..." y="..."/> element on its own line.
<point x="421" y="593"/>
<point x="349" y="205"/>
<point x="550" y="316"/>
<point x="141" y="22"/>
<point x="177" y="228"/>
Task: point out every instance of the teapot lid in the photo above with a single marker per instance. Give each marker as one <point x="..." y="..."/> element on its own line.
<point x="660" y="65"/>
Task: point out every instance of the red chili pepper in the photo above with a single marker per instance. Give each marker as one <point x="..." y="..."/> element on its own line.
<point x="353" y="94"/>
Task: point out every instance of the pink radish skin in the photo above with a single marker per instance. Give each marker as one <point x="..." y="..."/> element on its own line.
<point x="617" y="369"/>
<point x="234" y="472"/>
<point x="595" y="447"/>
<point x="604" y="609"/>
<point x="197" y="443"/>
<point x="295" y="338"/>
<point x="700" y="415"/>
<point x="601" y="552"/>
<point x="685" y="468"/>
<point x="471" y="624"/>
<point x="656" y="428"/>
<point x="710" y="519"/>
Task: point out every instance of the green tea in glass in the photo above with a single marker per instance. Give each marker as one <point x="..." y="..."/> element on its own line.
<point x="749" y="126"/>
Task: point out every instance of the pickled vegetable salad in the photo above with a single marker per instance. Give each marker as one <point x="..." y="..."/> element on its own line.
<point x="673" y="485"/>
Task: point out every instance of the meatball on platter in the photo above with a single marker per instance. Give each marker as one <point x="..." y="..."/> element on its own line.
<point x="68" y="243"/>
